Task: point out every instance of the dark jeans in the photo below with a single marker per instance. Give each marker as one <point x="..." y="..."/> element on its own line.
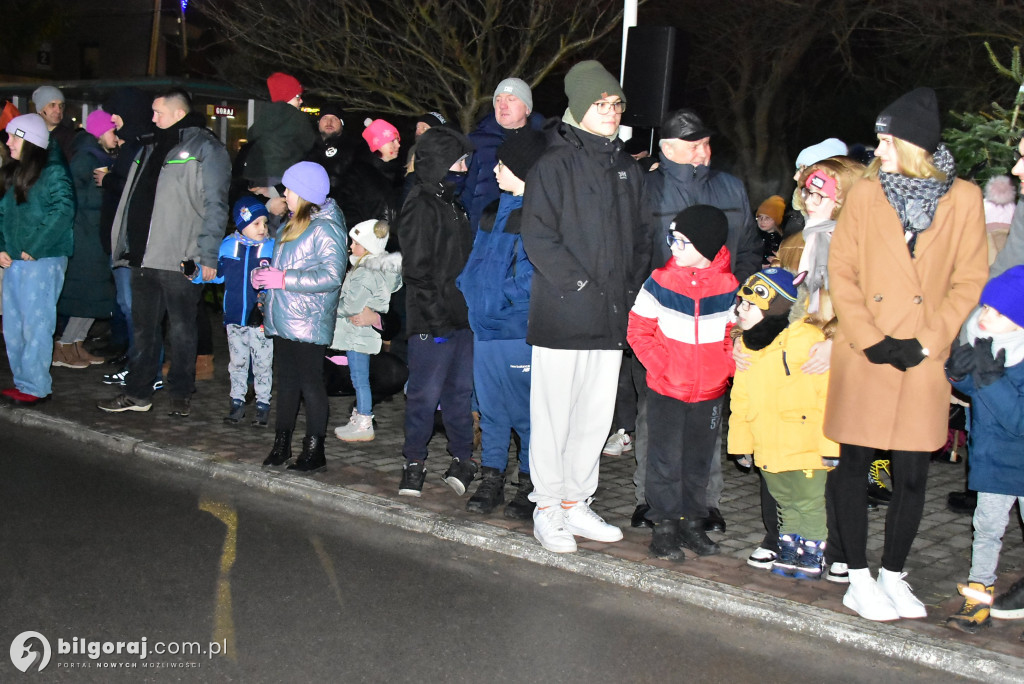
<point x="439" y="373"/>
<point x="155" y="293"/>
<point x="299" y="374"/>
<point x="850" y="500"/>
<point x="681" y="440"/>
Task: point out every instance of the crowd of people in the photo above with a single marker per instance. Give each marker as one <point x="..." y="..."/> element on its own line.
<point x="536" y="282"/>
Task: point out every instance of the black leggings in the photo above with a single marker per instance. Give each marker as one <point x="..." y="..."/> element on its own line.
<point x="299" y="373"/>
<point x="848" y="486"/>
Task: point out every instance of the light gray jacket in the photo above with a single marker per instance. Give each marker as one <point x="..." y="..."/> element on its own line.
<point x="370" y="283"/>
<point x="190" y="210"/>
<point x="314" y="265"/>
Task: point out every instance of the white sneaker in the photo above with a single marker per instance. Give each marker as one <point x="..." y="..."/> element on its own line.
<point x="549" y="529"/>
<point x="618" y="444"/>
<point x="898" y="591"/>
<point x="579" y="519"/>
<point x="762" y="558"/>
<point x="358" y="429"/>
<point x="867" y="599"/>
<point x="838" y="573"/>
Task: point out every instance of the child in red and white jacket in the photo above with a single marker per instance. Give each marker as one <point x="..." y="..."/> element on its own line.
<point x="679" y="330"/>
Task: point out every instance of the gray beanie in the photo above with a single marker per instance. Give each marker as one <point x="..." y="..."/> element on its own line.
<point x="517" y="87"/>
<point x="586" y="83"/>
<point x="44" y="95"/>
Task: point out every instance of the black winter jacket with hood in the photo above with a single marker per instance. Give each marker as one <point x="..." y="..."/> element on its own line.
<point x="436" y="239"/>
<point x="582" y="230"/>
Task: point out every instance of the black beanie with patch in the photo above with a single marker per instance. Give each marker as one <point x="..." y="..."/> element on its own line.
<point x="705" y="226"/>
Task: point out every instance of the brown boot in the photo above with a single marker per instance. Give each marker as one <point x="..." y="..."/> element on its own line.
<point x="84" y="355"/>
<point x="66" y="356"/>
<point x="204" y="367"/>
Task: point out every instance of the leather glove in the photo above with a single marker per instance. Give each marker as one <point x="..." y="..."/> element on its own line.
<point x="987" y="368"/>
<point x="909" y="353"/>
<point x="883" y="352"/>
<point x="268" y="278"/>
<point x="961" y="361"/>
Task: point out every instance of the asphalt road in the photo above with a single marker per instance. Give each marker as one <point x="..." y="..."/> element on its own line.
<point x="95" y="551"/>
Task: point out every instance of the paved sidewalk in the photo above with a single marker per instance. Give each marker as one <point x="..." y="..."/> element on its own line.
<point x="363" y="479"/>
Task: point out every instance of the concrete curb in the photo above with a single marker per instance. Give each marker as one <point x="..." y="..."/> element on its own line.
<point x="882" y="639"/>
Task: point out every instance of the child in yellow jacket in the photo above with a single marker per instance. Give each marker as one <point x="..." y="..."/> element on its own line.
<point x="777" y="416"/>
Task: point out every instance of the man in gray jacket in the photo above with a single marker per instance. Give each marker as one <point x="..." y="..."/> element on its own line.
<point x="171" y="217"/>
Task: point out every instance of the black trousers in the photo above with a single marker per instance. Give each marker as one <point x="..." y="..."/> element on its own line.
<point x="299" y="374"/>
<point x="682" y="438"/>
<point x="847" y="487"/>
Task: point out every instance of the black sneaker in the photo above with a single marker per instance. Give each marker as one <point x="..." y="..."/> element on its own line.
<point x="1010" y="604"/>
<point x="117" y="378"/>
<point x="459" y="475"/>
<point x="490" y="494"/>
<point x="413" y="475"/>
<point x="520" y="507"/>
<point x="179" y="408"/>
<point x="262" y="415"/>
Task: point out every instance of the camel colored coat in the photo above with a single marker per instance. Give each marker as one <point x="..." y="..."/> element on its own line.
<point x="877" y="290"/>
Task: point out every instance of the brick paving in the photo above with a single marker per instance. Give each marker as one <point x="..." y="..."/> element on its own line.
<point x="939" y="559"/>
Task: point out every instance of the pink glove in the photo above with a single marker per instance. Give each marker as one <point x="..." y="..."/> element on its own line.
<point x="268" y="279"/>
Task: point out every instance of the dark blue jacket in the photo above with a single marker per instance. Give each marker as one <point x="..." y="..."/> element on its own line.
<point x="235" y="263"/>
<point x="497" y="277"/>
<point x="481" y="186"/>
<point x="997" y="433"/>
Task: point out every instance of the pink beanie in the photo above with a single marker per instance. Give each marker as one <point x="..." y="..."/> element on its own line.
<point x="99" y="122"/>
<point x="378" y="133"/>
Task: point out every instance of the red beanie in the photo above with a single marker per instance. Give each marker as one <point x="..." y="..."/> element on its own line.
<point x="283" y="87"/>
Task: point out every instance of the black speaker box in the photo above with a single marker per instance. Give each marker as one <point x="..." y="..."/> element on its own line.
<point x="655" y="75"/>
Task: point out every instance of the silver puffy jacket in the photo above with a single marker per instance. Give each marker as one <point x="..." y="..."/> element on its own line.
<point x="314" y="265"/>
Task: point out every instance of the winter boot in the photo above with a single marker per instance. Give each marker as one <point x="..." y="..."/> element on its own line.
<point x="665" y="542"/>
<point x="236" y="412"/>
<point x="66" y="356"/>
<point x="693" y="537"/>
<point x="878" y="492"/>
<point x="810" y="559"/>
<point x="490" y="494"/>
<point x="262" y="415"/>
<point x="282" y="449"/>
<point x="358" y="429"/>
<point x="520" y="507"/>
<point x="84" y="355"/>
<point x="789" y="554"/>
<point x="974" y="613"/>
<point x="312" y="456"/>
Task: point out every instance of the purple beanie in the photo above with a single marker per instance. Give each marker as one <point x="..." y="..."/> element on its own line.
<point x="308" y="180"/>
<point x="99" y="122"/>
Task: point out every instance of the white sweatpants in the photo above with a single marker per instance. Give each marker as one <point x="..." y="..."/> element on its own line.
<point x="572" y="400"/>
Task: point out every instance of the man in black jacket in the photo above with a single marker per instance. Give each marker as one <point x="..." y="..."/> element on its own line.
<point x="582" y="229"/>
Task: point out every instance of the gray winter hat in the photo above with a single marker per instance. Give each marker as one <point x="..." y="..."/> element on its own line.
<point x="44" y="95"/>
<point x="517" y="87"/>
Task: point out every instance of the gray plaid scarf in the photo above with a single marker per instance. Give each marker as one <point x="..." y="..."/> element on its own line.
<point x="915" y="199"/>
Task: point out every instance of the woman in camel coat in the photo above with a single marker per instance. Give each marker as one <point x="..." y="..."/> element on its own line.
<point x="907" y="265"/>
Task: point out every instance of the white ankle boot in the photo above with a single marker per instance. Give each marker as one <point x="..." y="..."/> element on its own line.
<point x="898" y="591"/>
<point x="866" y="598"/>
<point x="358" y="429"/>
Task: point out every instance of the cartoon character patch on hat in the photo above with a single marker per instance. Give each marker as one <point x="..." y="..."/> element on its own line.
<point x="772" y="290"/>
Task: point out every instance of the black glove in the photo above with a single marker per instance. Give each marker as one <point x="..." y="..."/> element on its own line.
<point x="987" y="368"/>
<point x="882" y="352"/>
<point x="961" y="361"/>
<point x="909" y="353"/>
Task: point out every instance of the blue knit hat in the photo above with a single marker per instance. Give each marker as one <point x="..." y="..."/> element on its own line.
<point x="247" y="210"/>
<point x="308" y="180"/>
<point x="772" y="290"/>
<point x="1003" y="293"/>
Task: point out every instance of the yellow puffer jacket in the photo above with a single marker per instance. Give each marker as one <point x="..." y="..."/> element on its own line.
<point x="778" y="411"/>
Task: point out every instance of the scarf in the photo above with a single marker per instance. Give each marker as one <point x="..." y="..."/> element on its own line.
<point x="1012" y="342"/>
<point x="915" y="199"/>
<point x="814" y="260"/>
